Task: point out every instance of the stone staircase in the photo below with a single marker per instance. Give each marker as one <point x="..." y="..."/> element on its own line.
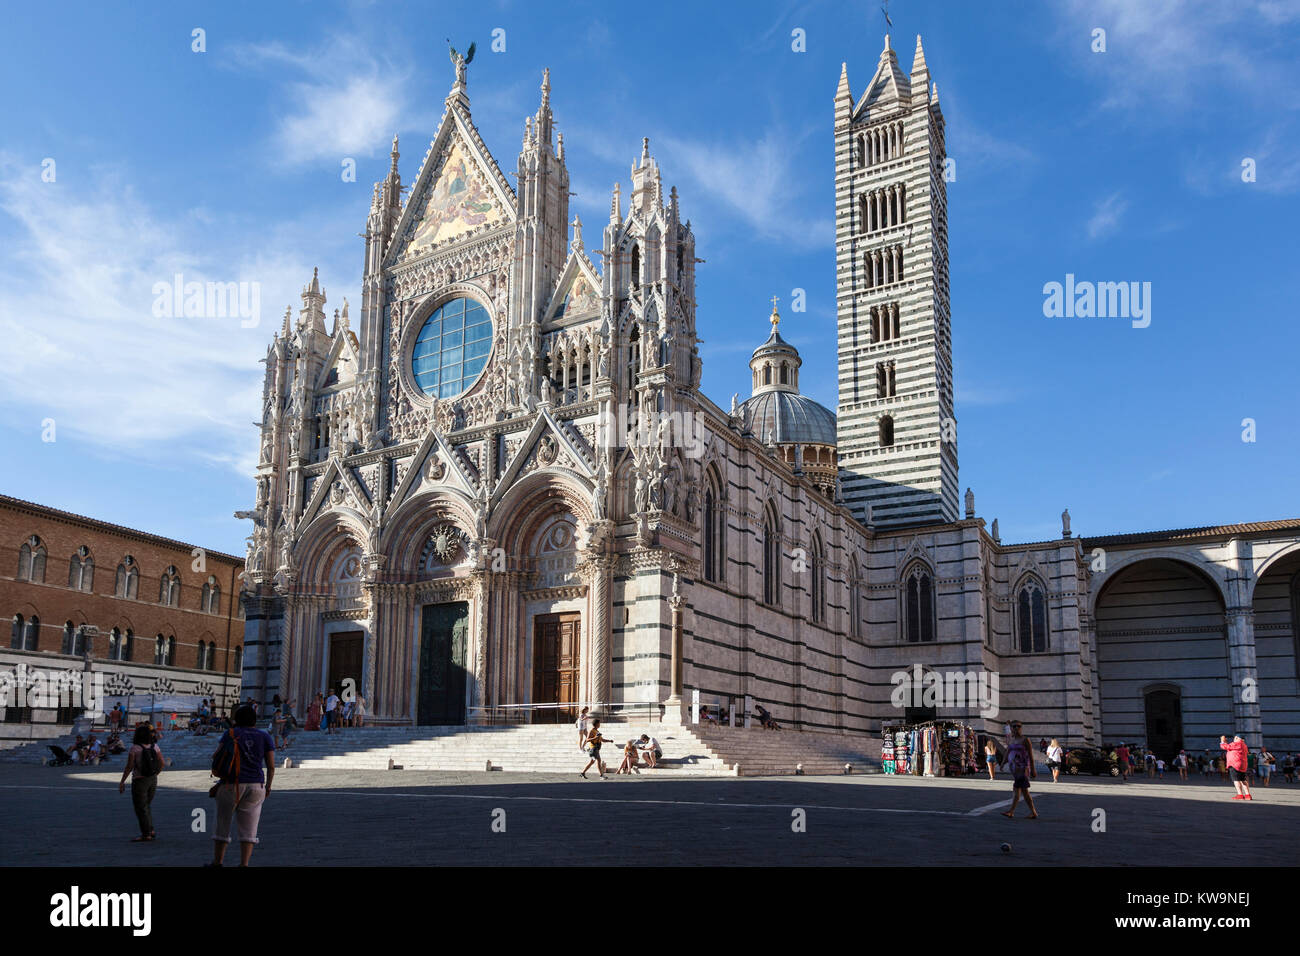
<point x="756" y="752"/>
<point x="688" y="751"/>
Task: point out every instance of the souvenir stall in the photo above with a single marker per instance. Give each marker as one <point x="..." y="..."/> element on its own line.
<point x="930" y="749"/>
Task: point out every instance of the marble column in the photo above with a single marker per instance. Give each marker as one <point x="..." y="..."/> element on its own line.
<point x="1244" y="675"/>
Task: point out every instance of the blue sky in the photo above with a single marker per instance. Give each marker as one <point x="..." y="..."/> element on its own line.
<point x="1123" y="165"/>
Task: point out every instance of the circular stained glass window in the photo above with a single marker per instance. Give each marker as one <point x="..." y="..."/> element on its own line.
<point x="452" y="348"/>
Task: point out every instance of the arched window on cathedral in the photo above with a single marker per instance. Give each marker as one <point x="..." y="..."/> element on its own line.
<point x="714" y="530"/>
<point x="855" y="601"/>
<point x="785" y="374"/>
<point x="918" y="605"/>
<point x="127" y="646"/>
<point x="767" y="375"/>
<point x="81" y="643"/>
<point x="771" y="559"/>
<point x="16" y="634"/>
<point x="633" y="362"/>
<point x="210" y="658"/>
<point x="31" y="561"/>
<point x="1031" y="617"/>
<point x="170" y="659"/>
<point x="634" y="277"/>
<point x="160" y="650"/>
<point x="817" y="588"/>
<point x="886" y="431"/>
<point x="201" y="656"/>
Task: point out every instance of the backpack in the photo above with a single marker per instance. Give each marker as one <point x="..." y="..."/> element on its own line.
<point x="225" y="761"/>
<point x="147" y="762"/>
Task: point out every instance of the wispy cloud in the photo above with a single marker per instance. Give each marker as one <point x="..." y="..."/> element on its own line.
<point x="1176" y="51"/>
<point x="84" y="345"/>
<point x="758" y="181"/>
<point x="346" y="101"/>
<point x="1106" y="216"/>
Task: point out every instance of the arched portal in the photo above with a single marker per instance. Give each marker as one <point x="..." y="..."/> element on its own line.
<point x="1161" y="630"/>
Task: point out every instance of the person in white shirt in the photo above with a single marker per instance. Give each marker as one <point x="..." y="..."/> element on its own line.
<point x="1055" y="756"/>
<point x="581" y="724"/>
<point x="331" y="711"/>
<point x="650" y="750"/>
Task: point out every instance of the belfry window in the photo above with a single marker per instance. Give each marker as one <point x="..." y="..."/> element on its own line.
<point x="886" y="431"/>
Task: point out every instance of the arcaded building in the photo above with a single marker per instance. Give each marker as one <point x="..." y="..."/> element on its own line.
<point x="503" y="495"/>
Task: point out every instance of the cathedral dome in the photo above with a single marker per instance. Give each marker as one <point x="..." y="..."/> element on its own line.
<point x="779" y="417"/>
<point x="776" y="413"/>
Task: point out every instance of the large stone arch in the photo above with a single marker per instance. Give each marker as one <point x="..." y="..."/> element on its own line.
<point x="1161" y="621"/>
<point x="531" y="501"/>
<point x="407" y="530"/>
<point x="1275" y="616"/>
<point x="1191" y="557"/>
<point x="320" y="541"/>
<point x="1284" y="554"/>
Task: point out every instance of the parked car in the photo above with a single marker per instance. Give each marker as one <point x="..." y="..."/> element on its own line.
<point x="1079" y="760"/>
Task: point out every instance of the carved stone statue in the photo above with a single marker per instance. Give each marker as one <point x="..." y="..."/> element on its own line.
<point x="1065" y="523"/>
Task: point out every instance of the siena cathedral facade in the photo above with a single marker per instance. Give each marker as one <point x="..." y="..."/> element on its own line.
<point x="503" y="494"/>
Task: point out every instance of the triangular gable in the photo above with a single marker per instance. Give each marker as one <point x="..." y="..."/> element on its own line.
<point x="577" y="294"/>
<point x="459" y="188"/>
<point x="417" y="477"/>
<point x="542" y="424"/>
<point x="334" y="471"/>
<point x="915" y="551"/>
<point x="345" y="357"/>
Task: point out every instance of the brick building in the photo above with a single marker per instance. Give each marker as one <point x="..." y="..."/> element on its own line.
<point x="156" y="616"/>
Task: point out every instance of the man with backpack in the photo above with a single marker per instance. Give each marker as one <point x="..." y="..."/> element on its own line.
<point x="245" y="766"/>
<point x="144" y="762"/>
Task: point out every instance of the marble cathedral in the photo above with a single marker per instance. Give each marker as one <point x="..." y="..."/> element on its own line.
<point x="504" y="493"/>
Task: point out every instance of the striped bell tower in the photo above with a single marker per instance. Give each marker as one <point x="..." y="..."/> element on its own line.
<point x="897" y="432"/>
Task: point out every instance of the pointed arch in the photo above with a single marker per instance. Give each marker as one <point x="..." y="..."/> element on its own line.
<point x="771" y="556"/>
<point x="817" y="585"/>
<point x="713" y="527"/>
<point x="917" y="603"/>
<point x="1032" y="630"/>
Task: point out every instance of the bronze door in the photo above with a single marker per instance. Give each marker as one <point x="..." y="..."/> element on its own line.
<point x="345" y="661"/>
<point x="556" y="666"/>
<point x="444" y="632"/>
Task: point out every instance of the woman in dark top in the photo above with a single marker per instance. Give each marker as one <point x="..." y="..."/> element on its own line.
<point x="143" y="764"/>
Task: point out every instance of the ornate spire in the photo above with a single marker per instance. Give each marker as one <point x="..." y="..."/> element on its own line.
<point x="616" y="205"/>
<point x="775" y="317"/>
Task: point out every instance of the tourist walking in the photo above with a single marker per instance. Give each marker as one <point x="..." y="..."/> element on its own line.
<point x="1122" y="755"/>
<point x="245" y="762"/>
<point x="1020" y="755"/>
<point x="1265" y="766"/>
<point x="1181" y="763"/>
<point x="594" y="740"/>
<point x="359" y="714"/>
<point x="1236" y="753"/>
<point x="144" y="762"/>
<point x="991" y="757"/>
<point x="1054" y="758"/>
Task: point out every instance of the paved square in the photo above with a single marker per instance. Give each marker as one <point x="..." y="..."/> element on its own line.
<point x="61" y="817"/>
